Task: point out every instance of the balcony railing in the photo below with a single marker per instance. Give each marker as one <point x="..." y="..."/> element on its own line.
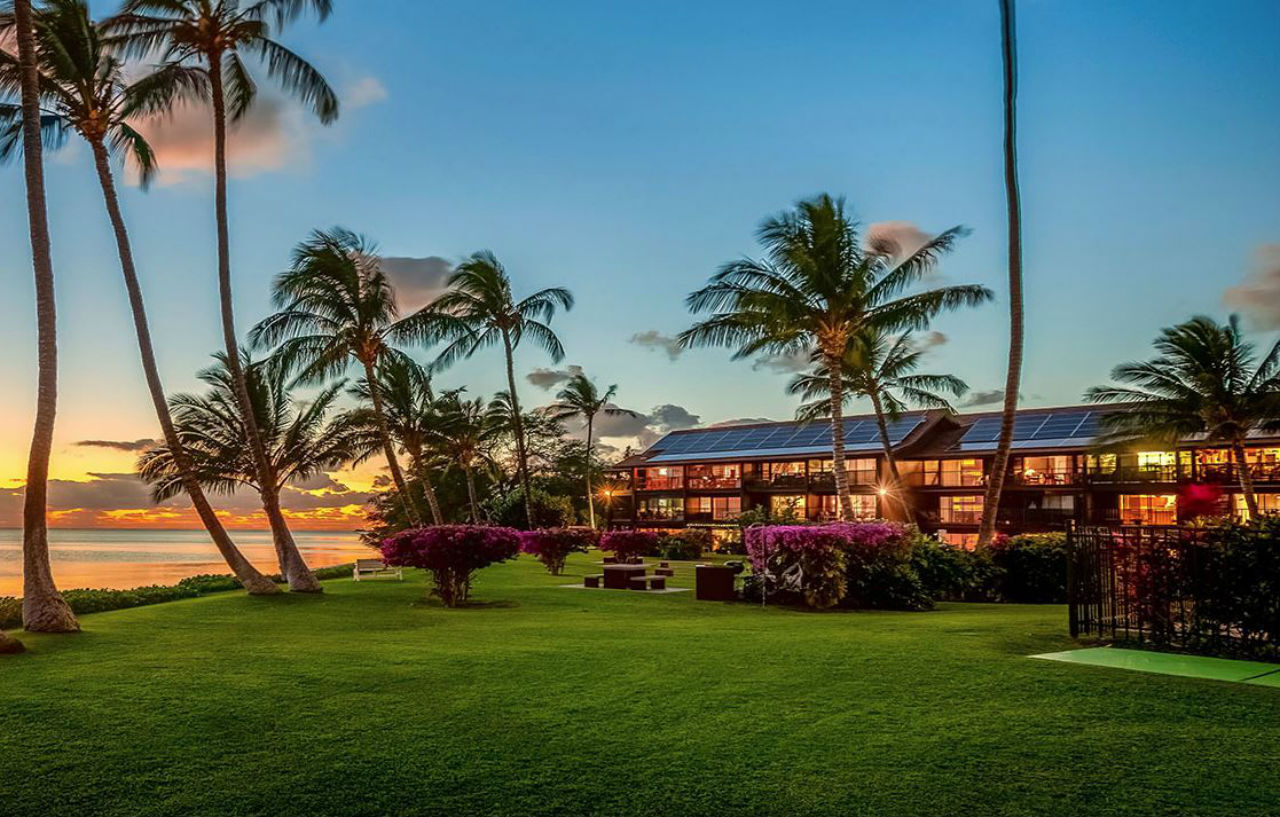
<point x="826" y="480"/>
<point x="662" y="484"/>
<point x="650" y="515"/>
<point x="1134" y="474"/>
<point x="782" y="482"/>
<point x="713" y="483"/>
<point x="1036" y="517"/>
<point x="1038" y="479"/>
<point x="960" y="518"/>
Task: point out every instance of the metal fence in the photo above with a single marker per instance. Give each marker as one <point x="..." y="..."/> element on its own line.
<point x="1172" y="588"/>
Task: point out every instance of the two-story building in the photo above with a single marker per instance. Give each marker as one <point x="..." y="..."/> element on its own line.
<point x="708" y="476"/>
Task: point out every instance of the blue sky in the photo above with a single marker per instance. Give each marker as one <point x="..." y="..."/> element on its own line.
<point x="626" y="149"/>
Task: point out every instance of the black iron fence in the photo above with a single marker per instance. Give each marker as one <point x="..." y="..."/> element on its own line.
<point x="1189" y="589"/>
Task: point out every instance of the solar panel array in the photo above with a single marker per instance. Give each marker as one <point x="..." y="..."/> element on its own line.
<point x="775" y="440"/>
<point x="1058" y="429"/>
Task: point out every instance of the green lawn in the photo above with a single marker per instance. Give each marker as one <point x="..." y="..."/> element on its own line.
<point x="541" y="700"/>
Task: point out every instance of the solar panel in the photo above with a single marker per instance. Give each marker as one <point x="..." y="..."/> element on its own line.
<point x="985" y="429"/>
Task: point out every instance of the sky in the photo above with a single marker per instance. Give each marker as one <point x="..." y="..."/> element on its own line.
<point x="626" y="150"/>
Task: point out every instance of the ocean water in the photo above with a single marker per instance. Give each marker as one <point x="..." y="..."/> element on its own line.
<point x="120" y="559"/>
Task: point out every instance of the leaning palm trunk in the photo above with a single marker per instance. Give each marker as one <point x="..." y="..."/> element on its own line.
<point x="43" y="608"/>
<point x="307" y="582"/>
<point x="1000" y="462"/>
<point x="895" y="492"/>
<point x="249" y="576"/>
<point x="471" y="494"/>
<point x="389" y="448"/>
<point x="292" y="566"/>
<point x="1245" y="475"/>
<point x="837" y="436"/>
<point x="591" y="505"/>
<point x="418" y="464"/>
<point x="522" y="459"/>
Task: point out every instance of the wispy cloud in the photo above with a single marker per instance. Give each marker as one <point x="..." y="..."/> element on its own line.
<point x="545" y="378"/>
<point x="653" y="339"/>
<point x="118" y="445"/>
<point x="1258" y="296"/>
<point x="418" y="281"/>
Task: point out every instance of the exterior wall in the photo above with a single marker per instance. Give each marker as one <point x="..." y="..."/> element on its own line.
<point x="1043" y="492"/>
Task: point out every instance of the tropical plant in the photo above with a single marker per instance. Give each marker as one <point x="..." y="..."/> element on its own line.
<point x="581" y="399"/>
<point x="1206" y="381"/>
<point x="1013" y="205"/>
<point x="84" y="91"/>
<point x="479" y="310"/>
<point x="403" y="386"/>
<point x="552" y="546"/>
<point x="549" y="510"/>
<point x="626" y="545"/>
<point x="43" y="608"/>
<point x="337" y="306"/>
<point x="880" y="367"/>
<point x="463" y="432"/>
<point x="303" y="441"/>
<point x="451" y="553"/>
<point x="202" y="44"/>
<point x="817" y="289"/>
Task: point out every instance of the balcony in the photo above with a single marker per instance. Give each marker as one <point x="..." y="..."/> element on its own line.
<point x="782" y="482"/>
<point x="713" y="483"/>
<point x="960" y="518"/>
<point x="1135" y="474"/>
<point x="662" y="484"/>
<point x="1044" y="479"/>
<point x="826" y="480"/>
<point x="651" y="515"/>
<point x="1035" y="517"/>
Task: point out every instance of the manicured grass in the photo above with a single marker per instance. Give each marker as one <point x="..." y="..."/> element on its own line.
<point x="542" y="700"/>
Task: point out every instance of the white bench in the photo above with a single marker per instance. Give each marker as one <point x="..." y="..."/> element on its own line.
<point x="374" y="567"/>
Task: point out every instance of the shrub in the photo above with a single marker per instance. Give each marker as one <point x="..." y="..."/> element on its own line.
<point x="553" y="545"/>
<point x="629" y="544"/>
<point x="686" y="544"/>
<point x="10" y="613"/>
<point x="549" y="511"/>
<point x="451" y="553"/>
<point x="1235" y="584"/>
<point x="211" y="583"/>
<point x="1030" y="568"/>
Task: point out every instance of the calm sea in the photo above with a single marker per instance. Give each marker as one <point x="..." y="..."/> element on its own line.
<point x="131" y="558"/>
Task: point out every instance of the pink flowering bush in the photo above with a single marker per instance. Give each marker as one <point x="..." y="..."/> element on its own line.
<point x="851" y="564"/>
<point x="552" y="546"/>
<point x="629" y="544"/>
<point x="451" y="553"/>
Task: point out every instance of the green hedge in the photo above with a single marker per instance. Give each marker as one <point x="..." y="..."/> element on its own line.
<point x="83" y="600"/>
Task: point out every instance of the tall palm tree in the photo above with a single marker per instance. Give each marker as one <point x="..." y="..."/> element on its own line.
<point x="463" y="431"/>
<point x="84" y="91"/>
<point x="408" y="411"/>
<point x="881" y="368"/>
<point x="1205" y="381"/>
<point x="479" y="310"/>
<point x="203" y="44"/>
<point x="43" y="608"/>
<point x="581" y="399"/>
<point x="337" y="307"/>
<point x="818" y="288"/>
<point x="303" y="440"/>
<point x="1013" y="199"/>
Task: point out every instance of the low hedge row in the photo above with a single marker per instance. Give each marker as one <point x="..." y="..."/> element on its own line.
<point x="87" y="600"/>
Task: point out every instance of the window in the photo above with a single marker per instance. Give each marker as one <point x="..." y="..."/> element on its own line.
<point x="968" y="541"/>
<point x="1100" y="463"/>
<point x="962" y="473"/>
<point x="666" y="478"/>
<point x="713" y="476"/>
<point x="1056" y="470"/>
<point x="1058" y="502"/>
<point x="1148" y="509"/>
<point x="861" y="471"/>
<point x="660" y="507"/>
<point x="787" y="506"/>
<point x="961" y="510"/>
<point x="713" y="507"/>
<point x="827" y="506"/>
<point x="1267" y="504"/>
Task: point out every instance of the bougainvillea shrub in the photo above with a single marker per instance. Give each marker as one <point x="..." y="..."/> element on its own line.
<point x="451" y="553"/>
<point x="629" y="544"/>
<point x="850" y="564"/>
<point x="552" y="546"/>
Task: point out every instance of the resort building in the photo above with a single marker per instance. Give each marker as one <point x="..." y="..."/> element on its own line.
<point x="708" y="476"/>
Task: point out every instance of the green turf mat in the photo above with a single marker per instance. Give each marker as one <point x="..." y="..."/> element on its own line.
<point x="1163" y="663"/>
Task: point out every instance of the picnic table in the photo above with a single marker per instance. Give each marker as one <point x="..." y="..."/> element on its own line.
<point x="618" y="577"/>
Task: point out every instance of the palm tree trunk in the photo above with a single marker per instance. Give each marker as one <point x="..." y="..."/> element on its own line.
<point x="471" y="494"/>
<point x="836" y="379"/>
<point x="895" y="492"/>
<point x="1000" y="462"/>
<point x="239" y="384"/>
<point x="522" y="459"/>
<point x="428" y="489"/>
<point x="249" y="576"/>
<point x="43" y="608"/>
<point x="1245" y="474"/>
<point x="591" y="505"/>
<point x="292" y="566"/>
<point x="389" y="447"/>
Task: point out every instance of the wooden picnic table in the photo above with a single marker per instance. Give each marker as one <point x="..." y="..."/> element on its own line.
<point x="618" y="577"/>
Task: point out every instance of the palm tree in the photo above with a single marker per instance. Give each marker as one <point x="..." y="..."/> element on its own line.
<point x="817" y="289"/>
<point x="480" y="310"/>
<point x="409" y="407"/>
<point x="881" y="368"/>
<point x="202" y="44"/>
<point x="336" y="306"/>
<point x="580" y="398"/>
<point x="1013" y="375"/>
<point x="84" y="90"/>
<point x="463" y="431"/>
<point x="303" y="440"/>
<point x="43" y="608"/>
<point x="1206" y="381"/>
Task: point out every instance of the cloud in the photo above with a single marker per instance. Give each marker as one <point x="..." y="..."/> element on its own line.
<point x="646" y="427"/>
<point x="275" y="134"/>
<point x="545" y="378"/>
<point x="653" y="339"/>
<point x="118" y="445"/>
<point x="896" y="238"/>
<point x="741" y="421"/>
<point x="418" y="281"/>
<point x="984" y="398"/>
<point x="789" y="363"/>
<point x="1258" y="296"/>
<point x="932" y="339"/>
